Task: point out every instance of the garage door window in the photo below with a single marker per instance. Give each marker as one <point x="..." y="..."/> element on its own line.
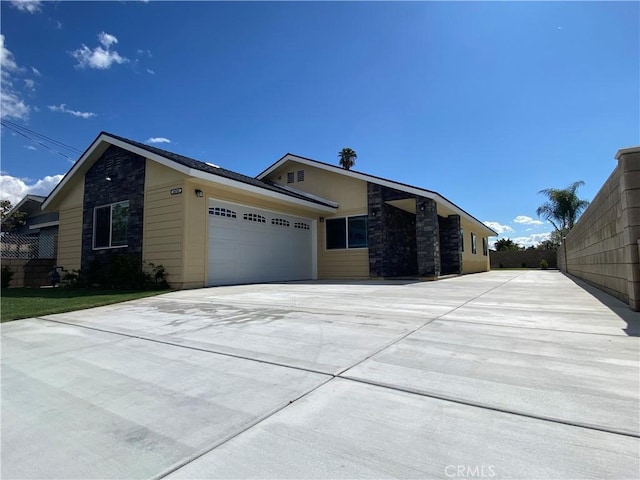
<point x="349" y="232"/>
<point x="110" y="225"/>
<point x="254" y="217"/>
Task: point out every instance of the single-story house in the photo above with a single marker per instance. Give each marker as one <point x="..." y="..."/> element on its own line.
<point x="35" y="236"/>
<point x="298" y="219"/>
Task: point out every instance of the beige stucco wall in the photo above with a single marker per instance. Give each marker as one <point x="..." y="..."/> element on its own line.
<point x="478" y="262"/>
<point x="602" y="248"/>
<point x="351" y="196"/>
<point x="70" y="227"/>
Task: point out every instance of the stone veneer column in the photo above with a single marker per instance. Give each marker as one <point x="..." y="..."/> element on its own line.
<point x="375" y="229"/>
<point x="629" y="167"/>
<point x="427" y="237"/>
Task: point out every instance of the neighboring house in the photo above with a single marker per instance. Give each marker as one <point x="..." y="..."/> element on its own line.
<point x="299" y="219"/>
<point x="36" y="237"/>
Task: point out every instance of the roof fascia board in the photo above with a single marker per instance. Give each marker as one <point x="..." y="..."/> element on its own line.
<point x="77" y="166"/>
<point x="377" y="180"/>
<point x="44" y="225"/>
<point x="182" y="169"/>
<point x="261" y="191"/>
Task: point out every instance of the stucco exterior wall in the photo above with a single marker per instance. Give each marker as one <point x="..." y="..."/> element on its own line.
<point x="473" y="262"/>
<point x="70" y="228"/>
<point x="602" y="248"/>
<point x="351" y="196"/>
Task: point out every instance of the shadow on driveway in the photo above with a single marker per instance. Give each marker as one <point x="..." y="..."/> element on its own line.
<point x="621" y="309"/>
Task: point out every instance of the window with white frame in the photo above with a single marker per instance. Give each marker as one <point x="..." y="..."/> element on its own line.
<point x="485" y="246"/>
<point x="347" y="232"/>
<point x="290" y="177"/>
<point x="110" y="225"/>
<point x="474" y="248"/>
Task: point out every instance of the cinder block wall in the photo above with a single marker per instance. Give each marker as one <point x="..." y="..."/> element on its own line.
<point x="522" y="258"/>
<point x="602" y="248"/>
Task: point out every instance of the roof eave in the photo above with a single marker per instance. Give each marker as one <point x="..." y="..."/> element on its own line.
<point x="373" y="179"/>
<point x="106" y="138"/>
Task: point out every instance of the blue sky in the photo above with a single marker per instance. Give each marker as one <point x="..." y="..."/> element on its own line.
<point x="486" y="103"/>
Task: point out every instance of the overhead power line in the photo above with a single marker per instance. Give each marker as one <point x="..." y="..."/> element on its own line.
<point x="41" y="139"/>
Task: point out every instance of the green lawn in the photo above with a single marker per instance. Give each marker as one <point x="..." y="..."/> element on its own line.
<point x="33" y="302"/>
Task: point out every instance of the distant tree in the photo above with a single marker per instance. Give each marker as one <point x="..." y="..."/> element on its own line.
<point x="553" y="243"/>
<point x="347" y="158"/>
<point x="506" y="244"/>
<point x="563" y="208"/>
<point x="10" y="219"/>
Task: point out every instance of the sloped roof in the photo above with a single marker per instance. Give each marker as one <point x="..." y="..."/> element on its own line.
<point x="377" y="180"/>
<point x="29" y="204"/>
<point x="191" y="164"/>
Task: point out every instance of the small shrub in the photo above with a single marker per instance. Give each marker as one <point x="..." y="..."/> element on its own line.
<point x="7" y="276"/>
<point x="544" y="264"/>
<point x="119" y="272"/>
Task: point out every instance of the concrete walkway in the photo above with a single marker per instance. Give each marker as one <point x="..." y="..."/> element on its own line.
<point x="508" y="374"/>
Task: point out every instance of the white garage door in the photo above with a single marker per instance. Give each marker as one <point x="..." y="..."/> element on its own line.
<point x="251" y="245"/>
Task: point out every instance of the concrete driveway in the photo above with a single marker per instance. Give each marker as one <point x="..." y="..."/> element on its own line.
<point x="508" y="374"/>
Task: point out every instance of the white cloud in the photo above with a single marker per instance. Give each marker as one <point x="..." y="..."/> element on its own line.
<point x="532" y="240"/>
<point x="30" y="84"/>
<point x="14" y="189"/>
<point x="158" y="140"/>
<point x="107" y="39"/>
<point x="63" y="108"/>
<point x="31" y="6"/>
<point x="151" y="72"/>
<point x="30" y="147"/>
<point x="11" y="103"/>
<point x="143" y="53"/>
<point x="99" y="58"/>
<point x="527" y="220"/>
<point x="36" y="72"/>
<point x="498" y="228"/>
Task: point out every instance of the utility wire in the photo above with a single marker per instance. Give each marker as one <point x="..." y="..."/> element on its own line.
<point x="30" y="134"/>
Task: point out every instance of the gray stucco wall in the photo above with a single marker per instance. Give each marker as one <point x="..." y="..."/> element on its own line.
<point x="602" y="248"/>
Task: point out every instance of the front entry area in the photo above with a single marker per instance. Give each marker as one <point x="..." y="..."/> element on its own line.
<point x="252" y="245"/>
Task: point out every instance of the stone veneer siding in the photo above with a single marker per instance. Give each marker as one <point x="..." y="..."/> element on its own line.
<point x="127" y="173"/>
<point x="401" y="243"/>
<point x="427" y="237"/>
<point x="450" y="246"/>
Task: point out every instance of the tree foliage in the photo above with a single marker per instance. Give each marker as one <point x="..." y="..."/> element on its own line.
<point x="11" y="219"/>
<point x="563" y="207"/>
<point x="506" y="244"/>
<point x="347" y="158"/>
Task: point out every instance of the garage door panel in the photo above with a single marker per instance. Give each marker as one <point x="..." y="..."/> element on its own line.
<point x="250" y="245"/>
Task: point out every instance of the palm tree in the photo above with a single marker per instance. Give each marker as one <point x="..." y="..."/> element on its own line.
<point x="347" y="158"/>
<point x="563" y="208"/>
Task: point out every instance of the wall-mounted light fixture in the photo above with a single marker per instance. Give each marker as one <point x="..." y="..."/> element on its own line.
<point x="321" y="219"/>
<point x="199" y="193"/>
<point x="374" y="212"/>
<point x="422" y="207"/>
<point x="108" y="179"/>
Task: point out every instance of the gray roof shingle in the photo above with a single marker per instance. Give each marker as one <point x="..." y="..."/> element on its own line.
<point x="219" y="171"/>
